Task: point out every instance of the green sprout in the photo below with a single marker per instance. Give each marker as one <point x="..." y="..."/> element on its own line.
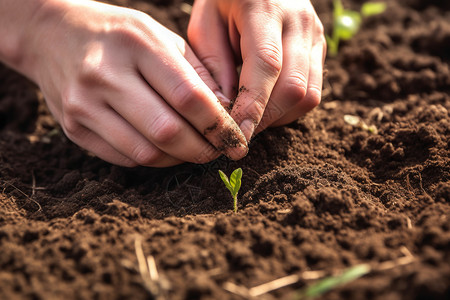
<point x="233" y="184"/>
<point x="346" y="22"/>
<point x="333" y="282"/>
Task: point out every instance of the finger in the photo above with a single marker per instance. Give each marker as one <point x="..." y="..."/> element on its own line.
<point x="205" y="75"/>
<point x="292" y="83"/>
<point x="125" y="139"/>
<point x="314" y="90"/>
<point x="208" y="37"/>
<point x="261" y="46"/>
<point x="153" y="118"/>
<point x="93" y="143"/>
<point x="182" y="88"/>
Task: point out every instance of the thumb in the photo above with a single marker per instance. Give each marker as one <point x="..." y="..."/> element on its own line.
<point x="208" y="37"/>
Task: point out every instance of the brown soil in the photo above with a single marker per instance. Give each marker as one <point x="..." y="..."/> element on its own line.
<point x="319" y="194"/>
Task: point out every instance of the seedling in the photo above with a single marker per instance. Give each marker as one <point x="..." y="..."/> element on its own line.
<point x="357" y="122"/>
<point x="346" y="23"/>
<point x="233" y="184"/>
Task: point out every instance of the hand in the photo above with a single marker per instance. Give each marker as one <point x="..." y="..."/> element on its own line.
<point x="282" y="49"/>
<point x="126" y="88"/>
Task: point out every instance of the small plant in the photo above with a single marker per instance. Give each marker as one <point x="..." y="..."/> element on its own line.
<point x="346" y="22"/>
<point x="233" y="184"/>
<point x="357" y="122"/>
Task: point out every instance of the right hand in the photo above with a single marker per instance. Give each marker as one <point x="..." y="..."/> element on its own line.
<point x="126" y="88"/>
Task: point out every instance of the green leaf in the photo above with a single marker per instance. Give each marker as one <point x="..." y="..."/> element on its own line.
<point x="347" y="24"/>
<point x="235" y="181"/>
<point x="233" y="184"/>
<point x="224" y="178"/>
<point x="372" y="8"/>
<point x="332" y="282"/>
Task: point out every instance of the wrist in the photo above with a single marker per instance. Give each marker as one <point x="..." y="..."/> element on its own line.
<point x="22" y="29"/>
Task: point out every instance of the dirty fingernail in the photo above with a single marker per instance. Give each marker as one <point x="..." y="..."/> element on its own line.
<point x="237" y="152"/>
<point x="247" y="128"/>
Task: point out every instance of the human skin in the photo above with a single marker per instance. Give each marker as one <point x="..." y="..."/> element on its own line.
<point x="282" y="48"/>
<point x="120" y="84"/>
<point x="134" y="93"/>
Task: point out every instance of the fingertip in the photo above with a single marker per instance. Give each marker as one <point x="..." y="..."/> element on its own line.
<point x="248" y="128"/>
<point x="237" y="153"/>
<point x="232" y="142"/>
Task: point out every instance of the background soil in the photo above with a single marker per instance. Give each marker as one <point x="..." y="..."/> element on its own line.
<point x="318" y="194"/>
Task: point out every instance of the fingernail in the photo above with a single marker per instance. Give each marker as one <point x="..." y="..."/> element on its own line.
<point x="224" y="101"/>
<point x="237" y="152"/>
<point x="247" y="127"/>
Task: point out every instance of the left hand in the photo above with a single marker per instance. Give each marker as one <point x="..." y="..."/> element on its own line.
<point x="282" y="48"/>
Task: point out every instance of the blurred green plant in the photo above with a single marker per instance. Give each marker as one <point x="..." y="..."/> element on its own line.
<point x="233" y="184"/>
<point x="346" y="23"/>
<point x="333" y="282"/>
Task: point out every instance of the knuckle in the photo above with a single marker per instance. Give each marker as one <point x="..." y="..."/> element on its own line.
<point x="185" y="95"/>
<point x="72" y="128"/>
<point x="271" y="8"/>
<point x="146" y="156"/>
<point x="307" y="17"/>
<point x="93" y="70"/>
<point x="202" y="72"/>
<point x="73" y="110"/>
<point x="164" y="130"/>
<point x="211" y="62"/>
<point x="269" y="58"/>
<point x="313" y="98"/>
<point x="295" y="88"/>
<point x="132" y="32"/>
<point x="72" y="106"/>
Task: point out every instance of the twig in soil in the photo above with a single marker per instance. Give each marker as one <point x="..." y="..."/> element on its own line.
<point x="236" y="289"/>
<point x="34" y="188"/>
<point x="421" y="186"/>
<point x="254" y="172"/>
<point x="214" y="272"/>
<point x="23" y="193"/>
<point x="408" y="185"/>
<point x="149" y="273"/>
<point x="410" y="188"/>
<point x="408" y="223"/>
<point x="404" y="260"/>
<point x="272" y="285"/>
<point x="325" y="284"/>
